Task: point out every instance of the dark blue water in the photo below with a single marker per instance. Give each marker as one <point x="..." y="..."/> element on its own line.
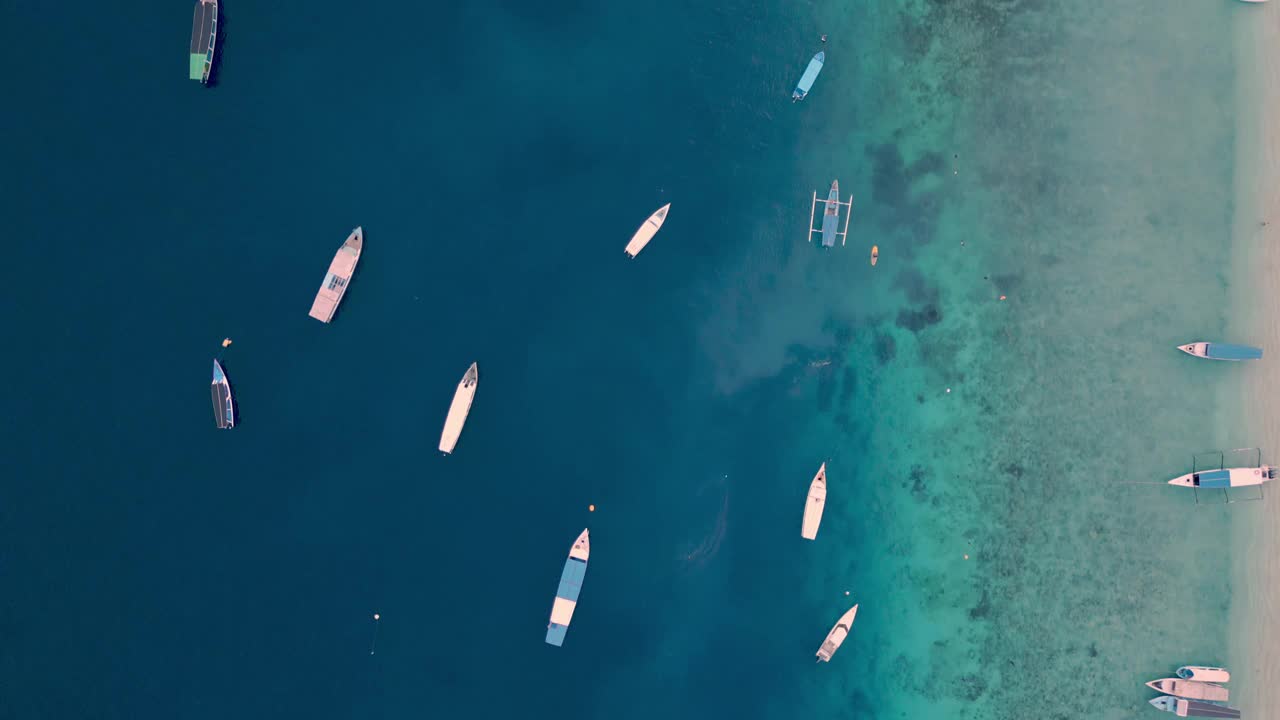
<point x="498" y="156"/>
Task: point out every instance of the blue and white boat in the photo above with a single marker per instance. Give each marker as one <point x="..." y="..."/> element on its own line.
<point x="1221" y="351"/>
<point x="575" y="569"/>
<point x="224" y="408"/>
<point x="1220" y="479"/>
<point x="810" y="74"/>
<point x="1193" y="708"/>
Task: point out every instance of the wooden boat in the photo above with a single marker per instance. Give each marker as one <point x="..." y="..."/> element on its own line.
<point x="224" y="407"/>
<point x="875" y="254"/>
<point x="459" y="409"/>
<point x="339" y="276"/>
<point x="1201" y="673"/>
<point x="647" y="231"/>
<point x="814" y="505"/>
<point x="1183" y="707"/>
<point x="1190" y="689"/>
<point x="575" y="570"/>
<point x="837" y="635"/>
<point x="1221" y="351"/>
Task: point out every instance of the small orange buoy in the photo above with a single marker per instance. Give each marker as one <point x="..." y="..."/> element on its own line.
<point x="226" y="342"/>
<point x="1002" y="297"/>
<point x="875" y="254"/>
<point x="591" y="508"/>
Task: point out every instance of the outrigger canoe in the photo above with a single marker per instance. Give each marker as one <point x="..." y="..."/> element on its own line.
<point x="1221" y="351"/>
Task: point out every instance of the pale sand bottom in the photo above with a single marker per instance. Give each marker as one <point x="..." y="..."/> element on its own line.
<point x="1255" y="612"/>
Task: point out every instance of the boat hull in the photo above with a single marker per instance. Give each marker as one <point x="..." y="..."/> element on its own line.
<point x="814" y="505"/>
<point x="459" y="409"/>
<point x="1221" y="351"/>
<point x="575" y="570"/>
<point x="1182" y="707"/>
<point x="836" y="637"/>
<point x="810" y="74"/>
<point x="646" y="232"/>
<point x="334" y="287"/>
<point x="831" y="216"/>
<point x="204" y="38"/>
<point x="1221" y="480"/>
<point x="1190" y="689"/>
<point x="224" y="406"/>
<point x="1202" y="673"/>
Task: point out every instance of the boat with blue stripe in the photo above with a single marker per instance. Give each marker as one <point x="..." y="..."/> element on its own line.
<point x="224" y="408"/>
<point x="1183" y="707"/>
<point x="1221" y="351"/>
<point x="810" y="74"/>
<point x="575" y="569"/>
<point x="1224" y="478"/>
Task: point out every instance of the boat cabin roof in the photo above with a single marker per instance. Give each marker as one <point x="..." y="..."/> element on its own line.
<point x="1212" y="479"/>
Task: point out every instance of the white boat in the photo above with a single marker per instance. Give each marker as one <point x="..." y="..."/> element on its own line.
<point x="647" y="231"/>
<point x="1204" y="674"/>
<point x="1190" y="689"/>
<point x="459" y="409"/>
<point x="813" y="506"/>
<point x="837" y="635"/>
<point x="1221" y="351"/>
<point x="1220" y="479"/>
<point x="339" y="276"/>
<point x="1183" y="707"/>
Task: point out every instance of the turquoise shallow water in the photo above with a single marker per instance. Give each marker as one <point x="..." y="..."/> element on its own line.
<point x="498" y="157"/>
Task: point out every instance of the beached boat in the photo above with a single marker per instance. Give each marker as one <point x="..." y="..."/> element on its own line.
<point x="575" y="569"/>
<point x="647" y="231"/>
<point x="810" y="74"/>
<point x="1190" y="689"/>
<point x="1183" y="707"/>
<point x="1220" y="479"/>
<point x="459" y="409"/>
<point x="204" y="37"/>
<point x="836" y="637"/>
<point x="224" y="407"/>
<point x="339" y="275"/>
<point x="1221" y="351"/>
<point x="1204" y="674"/>
<point x="814" y="505"/>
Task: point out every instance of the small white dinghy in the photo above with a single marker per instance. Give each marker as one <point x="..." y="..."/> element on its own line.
<point x="814" y="505"/>
<point x="1204" y="674"/>
<point x="647" y="231"/>
<point x="1190" y="689"/>
<point x="837" y="635"/>
<point x="459" y="409"/>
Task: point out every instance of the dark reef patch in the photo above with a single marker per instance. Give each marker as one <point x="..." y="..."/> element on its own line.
<point x="917" y="320"/>
<point x="886" y="348"/>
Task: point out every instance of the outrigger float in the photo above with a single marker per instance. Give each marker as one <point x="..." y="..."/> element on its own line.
<point x="831" y="217"/>
<point x="1224" y="479"/>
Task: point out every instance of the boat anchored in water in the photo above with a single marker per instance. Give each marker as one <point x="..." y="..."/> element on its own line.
<point x="339" y="276"/>
<point x="459" y="409"/>
<point x="575" y="569"/>
<point x="836" y="637"/>
<point x="647" y="231"/>
<point x="814" y="505"/>
<point x="831" y="217"/>
<point x="1183" y="707"/>
<point x="204" y="37"/>
<point x="1221" y="351"/>
<point x="1190" y="689"/>
<point x="810" y="74"/>
<point x="1200" y="673"/>
<point x="224" y="407"/>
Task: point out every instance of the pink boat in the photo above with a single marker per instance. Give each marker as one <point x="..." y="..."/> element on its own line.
<point x="335" y="282"/>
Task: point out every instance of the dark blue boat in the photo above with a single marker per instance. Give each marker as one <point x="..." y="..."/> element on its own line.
<point x="224" y="408"/>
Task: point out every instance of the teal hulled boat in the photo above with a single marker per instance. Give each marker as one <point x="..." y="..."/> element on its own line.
<point x="810" y="74"/>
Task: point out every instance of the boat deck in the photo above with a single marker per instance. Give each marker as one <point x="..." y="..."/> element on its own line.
<point x="204" y="26"/>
